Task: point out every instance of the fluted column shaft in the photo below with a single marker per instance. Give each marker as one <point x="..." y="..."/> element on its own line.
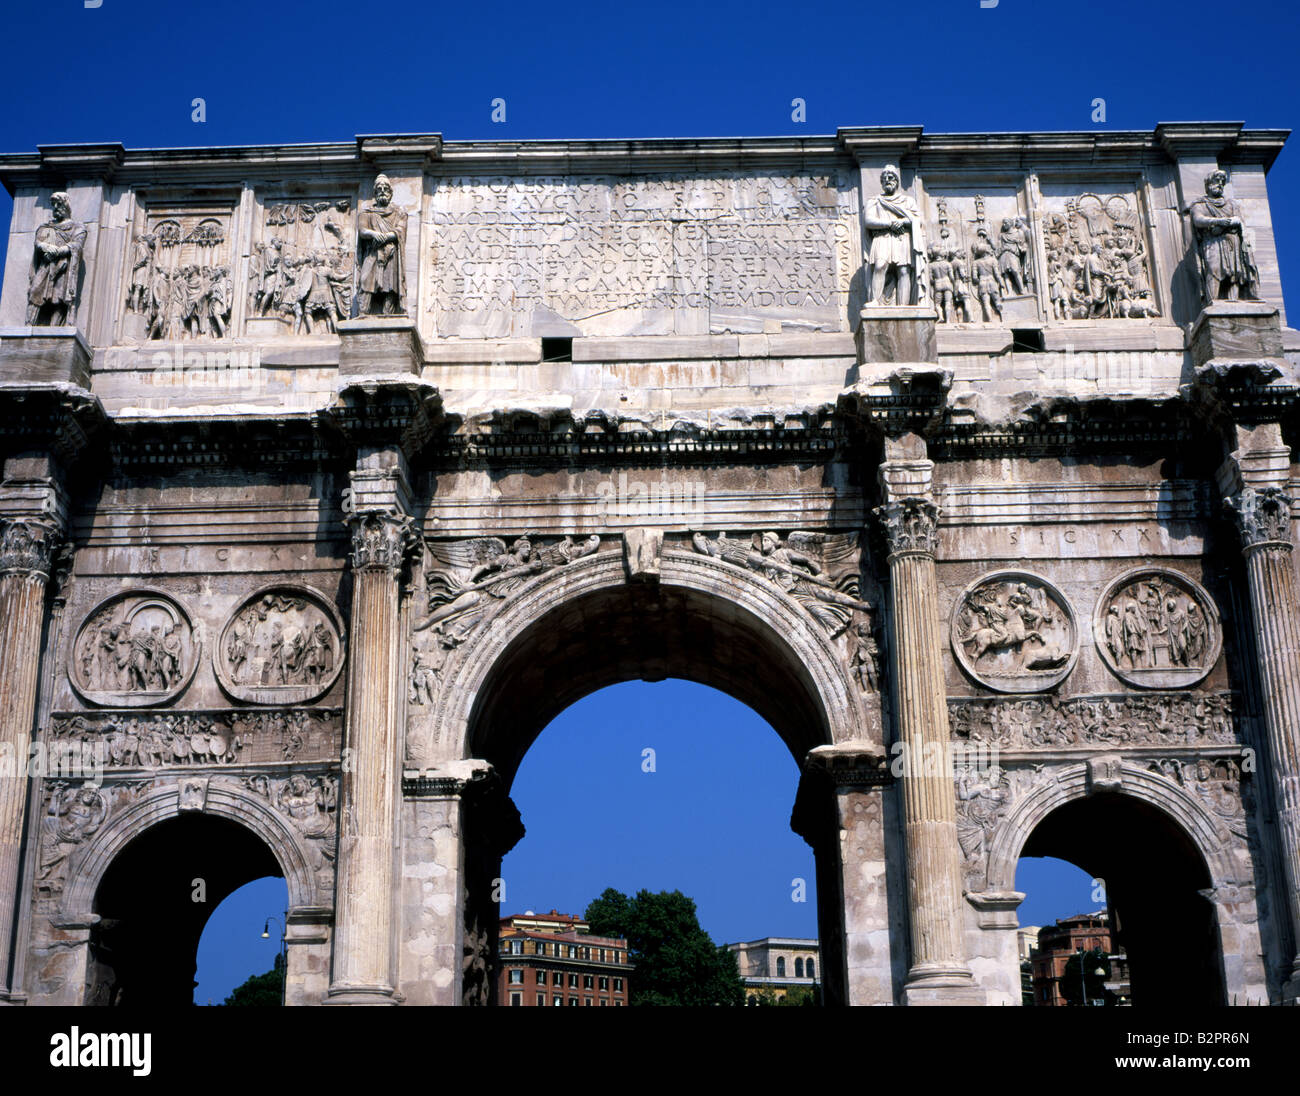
<point x="939" y="969"/>
<point x="25" y="551"/>
<point x="363" y="938"/>
<point x="1263" y="518"/>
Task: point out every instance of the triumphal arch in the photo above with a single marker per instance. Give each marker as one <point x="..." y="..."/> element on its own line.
<point x="332" y="472"/>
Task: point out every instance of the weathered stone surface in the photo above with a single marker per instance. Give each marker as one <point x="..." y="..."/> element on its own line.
<point x="381" y="453"/>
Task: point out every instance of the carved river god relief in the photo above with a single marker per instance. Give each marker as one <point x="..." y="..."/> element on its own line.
<point x="1014" y="632"/>
<point x="136" y="649"/>
<point x="1157" y="630"/>
<point x="283" y="646"/>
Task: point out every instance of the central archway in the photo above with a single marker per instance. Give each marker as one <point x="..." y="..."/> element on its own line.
<point x="587" y="626"/>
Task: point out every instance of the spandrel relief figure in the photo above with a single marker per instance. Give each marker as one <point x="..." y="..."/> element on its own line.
<point x="475" y="572"/>
<point x="56" y="265"/>
<point x="74" y="814"/>
<point x="1227" y="261"/>
<point x="896" y="258"/>
<point x="821" y="571"/>
<point x="381" y="245"/>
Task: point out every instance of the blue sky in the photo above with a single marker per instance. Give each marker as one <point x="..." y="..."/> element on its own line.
<point x="128" y="71"/>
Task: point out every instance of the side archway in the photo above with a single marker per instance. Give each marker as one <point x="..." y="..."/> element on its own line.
<point x="1178" y="882"/>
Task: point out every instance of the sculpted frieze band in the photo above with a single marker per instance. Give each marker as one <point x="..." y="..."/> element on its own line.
<point x="1156" y="719"/>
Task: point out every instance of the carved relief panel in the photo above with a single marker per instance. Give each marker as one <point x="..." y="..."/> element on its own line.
<point x="1157" y="629"/>
<point x="302" y="266"/>
<point x="1014" y="632"/>
<point x="1099" y="263"/>
<point x="180" y="284"/>
<point x="284" y="645"/>
<point x="981" y="257"/>
<point x="137" y="649"/>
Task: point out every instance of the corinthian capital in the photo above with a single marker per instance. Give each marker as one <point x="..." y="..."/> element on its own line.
<point x="911" y="525"/>
<point x="1262" y="516"/>
<point x="27" y="546"/>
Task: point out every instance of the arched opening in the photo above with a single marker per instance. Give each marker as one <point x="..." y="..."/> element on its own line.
<point x="747" y="643"/>
<point x="155" y="899"/>
<point x="1142" y="902"/>
<point x="661" y="787"/>
<point x="231" y="948"/>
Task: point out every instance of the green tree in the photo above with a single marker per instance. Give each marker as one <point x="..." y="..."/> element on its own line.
<point x="1072" y="986"/>
<point x="260" y="989"/>
<point x="676" y="962"/>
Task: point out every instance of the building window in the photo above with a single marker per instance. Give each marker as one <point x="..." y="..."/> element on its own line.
<point x="541" y="977"/>
<point x="541" y="999"/>
<point x="586" y="981"/>
<point x="602" y="955"/>
<point x="557" y="1000"/>
<point x="586" y="1001"/>
<point x="573" y="981"/>
<point x="809" y="970"/>
<point x="780" y="966"/>
<point x="618" y="985"/>
<point x="541" y="948"/>
<point x="573" y="1001"/>
<point x="798" y="968"/>
<point x="557" y="979"/>
<point x="604" y="983"/>
<point x="516" y="999"/>
<point x="517" y="977"/>
<point x="516" y="947"/>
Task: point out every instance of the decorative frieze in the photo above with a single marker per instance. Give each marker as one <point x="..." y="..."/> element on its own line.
<point x="137" y="649"/>
<point x="1098" y="262"/>
<point x="1014" y="632"/>
<point x="1157" y="629"/>
<point x="1156" y="719"/>
<point x="284" y="645"/>
<point x="126" y="740"/>
<point x="181" y="285"/>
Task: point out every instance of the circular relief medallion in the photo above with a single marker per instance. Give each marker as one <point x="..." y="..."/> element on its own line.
<point x="284" y="645"/>
<point x="1157" y="629"/>
<point x="1014" y="632"/>
<point x="135" y="650"/>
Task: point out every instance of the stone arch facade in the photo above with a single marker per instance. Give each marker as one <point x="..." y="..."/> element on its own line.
<point x="759" y="611"/>
<point x="918" y="541"/>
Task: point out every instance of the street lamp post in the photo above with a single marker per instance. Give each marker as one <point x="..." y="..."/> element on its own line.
<point x="284" y="957"/>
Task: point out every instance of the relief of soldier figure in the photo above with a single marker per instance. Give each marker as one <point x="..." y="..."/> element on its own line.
<point x="1227" y="261"/>
<point x="56" y="264"/>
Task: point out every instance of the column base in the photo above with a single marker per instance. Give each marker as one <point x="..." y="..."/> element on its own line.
<point x="362" y="995"/>
<point x="942" y="986"/>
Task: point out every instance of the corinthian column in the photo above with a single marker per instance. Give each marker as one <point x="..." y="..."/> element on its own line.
<point x="939" y="973"/>
<point x="28" y="538"/>
<point x="1263" y="518"/>
<point x="377" y="508"/>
